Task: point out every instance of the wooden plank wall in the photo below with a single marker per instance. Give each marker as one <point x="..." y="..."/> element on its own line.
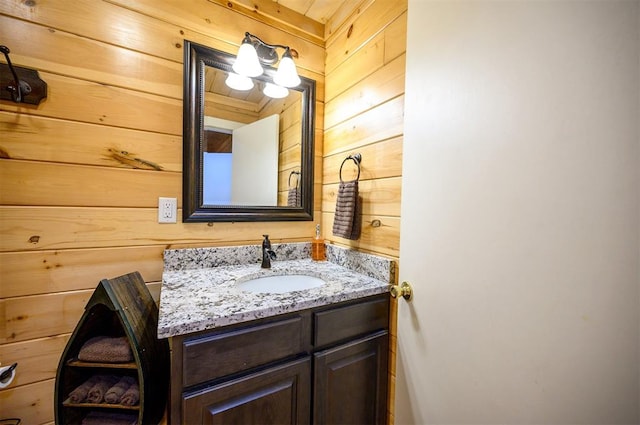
<point x="364" y="106"/>
<point x="73" y="207"/>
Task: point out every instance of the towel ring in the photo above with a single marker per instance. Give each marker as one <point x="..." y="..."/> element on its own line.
<point x="357" y="158"/>
<point x="291" y="174"/>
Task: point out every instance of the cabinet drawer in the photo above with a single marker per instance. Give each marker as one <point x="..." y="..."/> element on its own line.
<point x="338" y="324"/>
<point x="219" y="354"/>
<point x="275" y="395"/>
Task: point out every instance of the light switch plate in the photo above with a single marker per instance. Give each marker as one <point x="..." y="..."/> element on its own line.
<point x="167" y="210"/>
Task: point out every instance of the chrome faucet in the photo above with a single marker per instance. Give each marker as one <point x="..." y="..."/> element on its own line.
<point x="267" y="253"/>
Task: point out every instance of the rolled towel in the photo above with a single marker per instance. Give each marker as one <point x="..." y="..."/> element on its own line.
<point x="100" y="388"/>
<point x="110" y="418"/>
<point x="106" y="349"/>
<point x="114" y="394"/>
<point x="348" y="215"/>
<point x="79" y="394"/>
<point x="131" y="397"/>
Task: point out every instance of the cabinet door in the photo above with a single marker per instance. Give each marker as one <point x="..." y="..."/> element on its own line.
<point x="350" y="385"/>
<point x="277" y="395"/>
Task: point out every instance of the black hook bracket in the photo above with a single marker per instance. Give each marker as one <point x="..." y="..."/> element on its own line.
<point x="19" y="84"/>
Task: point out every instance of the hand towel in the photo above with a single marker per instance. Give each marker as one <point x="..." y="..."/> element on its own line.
<point x="114" y="394"/>
<point x="131" y="397"/>
<point x="100" y="388"/>
<point x="110" y="418"/>
<point x="293" y="197"/>
<point x="107" y="350"/>
<point x="79" y="394"/>
<point x="347" y="220"/>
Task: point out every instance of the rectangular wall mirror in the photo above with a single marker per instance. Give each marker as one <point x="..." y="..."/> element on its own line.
<point x="246" y="156"/>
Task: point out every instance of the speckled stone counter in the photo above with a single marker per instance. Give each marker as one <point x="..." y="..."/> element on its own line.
<point x="199" y="289"/>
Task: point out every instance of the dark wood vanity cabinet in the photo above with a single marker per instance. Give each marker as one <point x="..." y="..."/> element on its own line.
<point x="326" y="365"/>
<point x="340" y="374"/>
<point x="276" y="395"/>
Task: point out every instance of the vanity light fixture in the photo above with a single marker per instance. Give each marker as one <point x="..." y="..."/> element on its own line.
<point x="287" y="74"/>
<point x="275" y="91"/>
<point x="239" y="82"/>
<point x="254" y="52"/>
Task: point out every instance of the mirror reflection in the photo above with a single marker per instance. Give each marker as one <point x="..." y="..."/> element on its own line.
<point x="247" y="156"/>
<point x="248" y="134"/>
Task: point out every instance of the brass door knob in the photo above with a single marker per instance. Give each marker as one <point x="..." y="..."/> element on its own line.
<point x="404" y="290"/>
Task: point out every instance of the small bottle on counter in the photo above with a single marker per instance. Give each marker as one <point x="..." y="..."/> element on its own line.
<point x="317" y="247"/>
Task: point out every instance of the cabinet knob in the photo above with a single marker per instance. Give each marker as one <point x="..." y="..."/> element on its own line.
<point x="404" y="290"/>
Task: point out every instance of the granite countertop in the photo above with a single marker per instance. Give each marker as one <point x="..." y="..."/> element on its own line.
<point x="199" y="289"/>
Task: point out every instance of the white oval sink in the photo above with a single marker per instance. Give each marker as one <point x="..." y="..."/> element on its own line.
<point x="281" y="284"/>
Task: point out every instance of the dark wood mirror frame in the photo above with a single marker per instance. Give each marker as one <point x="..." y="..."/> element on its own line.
<point x="196" y="57"/>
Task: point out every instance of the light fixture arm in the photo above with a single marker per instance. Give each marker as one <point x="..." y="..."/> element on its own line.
<point x="259" y="40"/>
<point x="266" y="52"/>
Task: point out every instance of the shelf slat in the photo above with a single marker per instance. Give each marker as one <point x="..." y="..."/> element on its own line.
<point x="78" y="363"/>
<point x="67" y="403"/>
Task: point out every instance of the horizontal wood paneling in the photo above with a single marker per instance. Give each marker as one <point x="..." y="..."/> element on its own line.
<point x="379" y="196"/>
<point x="54" y="140"/>
<point x="44" y="315"/>
<point x="351" y="38"/>
<point x="378" y="124"/>
<point x="32" y="403"/>
<point x="379" y="160"/>
<point x="384" y="239"/>
<point x="112" y="24"/>
<point x="79" y="100"/>
<point x="41" y="272"/>
<point x="38" y="183"/>
<point x="344" y="16"/>
<point x="134" y="70"/>
<point x="367" y="59"/>
<point x="37" y="358"/>
<point x="395" y="38"/>
<point x="38" y="228"/>
<point x="377" y="88"/>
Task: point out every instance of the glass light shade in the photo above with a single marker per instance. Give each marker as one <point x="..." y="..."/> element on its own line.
<point x="239" y="82"/>
<point x="287" y="74"/>
<point x="275" y="91"/>
<point x="247" y="63"/>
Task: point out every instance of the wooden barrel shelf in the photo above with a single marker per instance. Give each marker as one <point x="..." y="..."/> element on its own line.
<point x="118" y="307"/>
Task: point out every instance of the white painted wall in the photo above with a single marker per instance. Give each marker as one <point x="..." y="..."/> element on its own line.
<point x="524" y="116"/>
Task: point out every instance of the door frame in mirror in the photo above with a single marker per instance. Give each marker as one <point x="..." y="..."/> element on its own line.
<point x="196" y="57"/>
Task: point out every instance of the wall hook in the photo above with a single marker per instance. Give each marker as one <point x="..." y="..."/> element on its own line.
<point x="19" y="84"/>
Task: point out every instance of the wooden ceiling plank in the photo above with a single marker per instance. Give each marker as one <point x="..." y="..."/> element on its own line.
<point x="275" y="14"/>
